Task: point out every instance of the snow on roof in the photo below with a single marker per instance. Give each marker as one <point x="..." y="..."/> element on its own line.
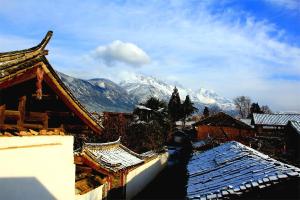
<point x="246" y="121"/>
<point x="112" y="155"/>
<point x="222" y="119"/>
<point x="141" y="107"/>
<point x="274" y="119"/>
<point x="233" y="168"/>
<point x="188" y="123"/>
<point x="296" y="125"/>
<point x="198" y="144"/>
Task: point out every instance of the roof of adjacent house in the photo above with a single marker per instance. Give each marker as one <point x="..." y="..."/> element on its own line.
<point x="188" y="123"/>
<point x="112" y="156"/>
<point x="222" y="119"/>
<point x="19" y="66"/>
<point x="233" y="168"/>
<point x="295" y="125"/>
<point x="198" y="144"/>
<point x="274" y="119"/>
<point x="246" y="121"/>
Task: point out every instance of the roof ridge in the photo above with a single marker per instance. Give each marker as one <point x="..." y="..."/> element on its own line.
<point x="277" y="114"/>
<point x="118" y="141"/>
<point x="294" y="121"/>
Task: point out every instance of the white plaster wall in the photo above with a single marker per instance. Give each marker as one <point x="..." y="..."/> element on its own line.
<point x="95" y="194"/>
<point x="37" y="167"/>
<point x="140" y="177"/>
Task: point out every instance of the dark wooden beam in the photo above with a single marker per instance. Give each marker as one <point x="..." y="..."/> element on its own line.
<point x="2" y="110"/>
<point x="22" y="77"/>
<point x="59" y="114"/>
<point x="46" y="97"/>
<point x="21" y="109"/>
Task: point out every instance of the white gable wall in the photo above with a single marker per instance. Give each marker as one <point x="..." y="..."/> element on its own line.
<point x="138" y="178"/>
<point x="37" y="167"/>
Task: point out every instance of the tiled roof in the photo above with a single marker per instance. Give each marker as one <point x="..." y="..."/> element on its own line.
<point x="198" y="144"/>
<point x="112" y="156"/>
<point x="296" y="125"/>
<point x="233" y="168"/>
<point x="15" y="63"/>
<point x="274" y="119"/>
<point x="246" y="121"/>
<point x="222" y="119"/>
<point x="188" y="123"/>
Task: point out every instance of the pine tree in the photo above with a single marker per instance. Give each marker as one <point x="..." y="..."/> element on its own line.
<point x="175" y="107"/>
<point x="188" y="108"/>
<point x="255" y="108"/>
<point x="206" y="112"/>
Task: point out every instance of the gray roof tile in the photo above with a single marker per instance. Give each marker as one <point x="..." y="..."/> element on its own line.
<point x="296" y="125"/>
<point x="113" y="155"/>
<point x="233" y="168"/>
<point x="274" y="119"/>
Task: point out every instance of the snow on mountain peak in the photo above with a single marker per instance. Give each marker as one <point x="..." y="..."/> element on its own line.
<point x="145" y="86"/>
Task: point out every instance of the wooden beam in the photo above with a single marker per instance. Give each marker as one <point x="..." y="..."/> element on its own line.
<point x="36" y="117"/>
<point x="19" y="78"/>
<point x="21" y="109"/>
<point x="91" y="163"/>
<point x="69" y="101"/>
<point x="59" y="114"/>
<point x="12" y="114"/>
<point x="33" y="126"/>
<point x="2" y="110"/>
<point x="9" y="127"/>
<point x="77" y="126"/>
<point x="46" y="97"/>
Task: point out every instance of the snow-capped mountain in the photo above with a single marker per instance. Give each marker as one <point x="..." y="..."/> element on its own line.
<point x="100" y="94"/>
<point x="104" y="95"/>
<point x="144" y="86"/>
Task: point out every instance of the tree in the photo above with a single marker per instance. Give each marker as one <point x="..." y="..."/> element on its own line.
<point x="265" y="109"/>
<point x="148" y="130"/>
<point x="188" y="108"/>
<point x="142" y="136"/>
<point x="152" y="108"/>
<point x="174" y="106"/>
<point x="206" y="112"/>
<point x="242" y="104"/>
<point x="255" y="108"/>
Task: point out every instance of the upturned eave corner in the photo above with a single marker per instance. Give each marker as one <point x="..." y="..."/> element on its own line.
<point x="45" y="41"/>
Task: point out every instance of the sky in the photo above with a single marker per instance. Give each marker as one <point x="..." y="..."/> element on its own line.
<point x="234" y="47"/>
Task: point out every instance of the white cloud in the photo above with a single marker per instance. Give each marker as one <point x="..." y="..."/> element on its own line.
<point x="122" y="52"/>
<point x="228" y="50"/>
<point x="288" y="4"/>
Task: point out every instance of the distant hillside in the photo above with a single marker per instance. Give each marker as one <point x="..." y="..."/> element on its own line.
<point x="100" y="94"/>
<point x="104" y="95"/>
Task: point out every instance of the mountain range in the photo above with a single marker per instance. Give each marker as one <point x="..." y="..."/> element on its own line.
<point x="101" y="94"/>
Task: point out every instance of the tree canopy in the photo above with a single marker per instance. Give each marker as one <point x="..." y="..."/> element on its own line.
<point x="206" y="112"/>
<point x="242" y="104"/>
<point x="148" y="130"/>
<point x="188" y="108"/>
<point x="174" y="106"/>
<point x="246" y="108"/>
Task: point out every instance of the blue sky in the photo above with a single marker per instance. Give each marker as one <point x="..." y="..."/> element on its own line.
<point x="249" y="47"/>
